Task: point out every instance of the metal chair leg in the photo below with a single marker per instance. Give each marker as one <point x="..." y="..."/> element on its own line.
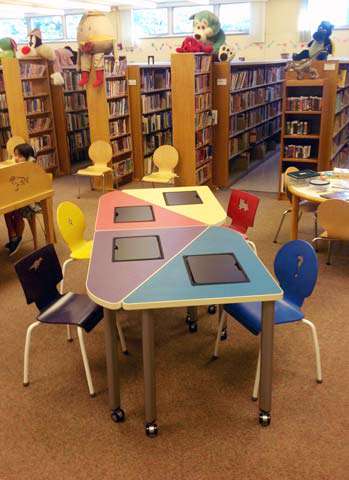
<point x="316" y="348"/>
<point x="78" y="184"/>
<point x="103" y="184"/>
<point x="85" y="361"/>
<point x="257" y="378"/>
<point x="61" y="291"/>
<point x="222" y="322"/>
<point x="122" y="338"/>
<point x="26" y="352"/>
<point x="286" y="212"/>
<point x="329" y="252"/>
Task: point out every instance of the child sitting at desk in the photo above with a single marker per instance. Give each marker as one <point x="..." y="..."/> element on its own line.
<point x="14" y="220"/>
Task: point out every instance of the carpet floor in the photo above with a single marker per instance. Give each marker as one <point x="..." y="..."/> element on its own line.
<point x="208" y="423"/>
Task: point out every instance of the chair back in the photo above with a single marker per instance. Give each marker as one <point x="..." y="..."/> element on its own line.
<point x="100" y="152"/>
<point x="12" y="143"/>
<point x="296" y="268"/>
<point x="165" y="158"/>
<point x="71" y="224"/>
<point x="333" y="216"/>
<point x="242" y="209"/>
<point x="39" y="273"/>
<point x="287" y="181"/>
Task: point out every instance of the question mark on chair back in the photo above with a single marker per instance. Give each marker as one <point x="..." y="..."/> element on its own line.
<point x="300" y="261"/>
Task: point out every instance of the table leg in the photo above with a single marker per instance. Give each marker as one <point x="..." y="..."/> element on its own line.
<point x="111" y="353"/>
<point x="192" y="319"/>
<point x="295" y="217"/>
<point x="47" y="213"/>
<point x="148" y="336"/>
<point x="265" y="389"/>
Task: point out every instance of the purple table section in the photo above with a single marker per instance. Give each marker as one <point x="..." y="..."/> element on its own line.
<point x="109" y="282"/>
<point x="163" y="218"/>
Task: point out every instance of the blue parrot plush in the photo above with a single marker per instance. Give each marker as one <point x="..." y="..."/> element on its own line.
<point x="320" y="47"/>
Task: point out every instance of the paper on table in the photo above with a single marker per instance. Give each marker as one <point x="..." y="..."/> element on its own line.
<point x="342" y="184"/>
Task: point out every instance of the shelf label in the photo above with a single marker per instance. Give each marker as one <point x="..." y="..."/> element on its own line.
<point x="132" y="82"/>
<point x="330" y="66"/>
<point x="221" y="82"/>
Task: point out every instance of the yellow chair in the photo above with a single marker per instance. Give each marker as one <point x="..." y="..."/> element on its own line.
<point x="165" y="159"/>
<point x="72" y="225"/>
<point x="101" y="153"/>
<point x="333" y="216"/>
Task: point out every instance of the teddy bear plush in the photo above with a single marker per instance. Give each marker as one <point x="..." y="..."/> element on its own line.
<point x="320" y="47"/>
<point x="191" y="45"/>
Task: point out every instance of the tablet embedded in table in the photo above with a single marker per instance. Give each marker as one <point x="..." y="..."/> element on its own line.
<point x="128" y="249"/>
<point x="139" y="213"/>
<point x="190" y="197"/>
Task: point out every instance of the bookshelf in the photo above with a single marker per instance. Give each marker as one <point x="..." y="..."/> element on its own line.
<point x="309" y="120"/>
<point x="151" y="115"/>
<point x="192" y="117"/>
<point x="248" y="100"/>
<point x="340" y="138"/>
<point x="5" y="127"/>
<point x="29" y="102"/>
<point x="109" y="118"/>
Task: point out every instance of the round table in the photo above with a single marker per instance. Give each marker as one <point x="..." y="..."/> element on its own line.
<point x="312" y="194"/>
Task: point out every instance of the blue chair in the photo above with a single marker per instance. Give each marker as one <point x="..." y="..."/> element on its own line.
<point x="296" y="268"/>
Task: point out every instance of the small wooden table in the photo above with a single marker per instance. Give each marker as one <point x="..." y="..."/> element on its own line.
<point x="24" y="183"/>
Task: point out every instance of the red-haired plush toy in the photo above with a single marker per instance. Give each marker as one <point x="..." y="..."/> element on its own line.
<point x="191" y="45"/>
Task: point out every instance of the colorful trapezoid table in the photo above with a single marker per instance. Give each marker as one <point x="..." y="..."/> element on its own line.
<point x="153" y="249"/>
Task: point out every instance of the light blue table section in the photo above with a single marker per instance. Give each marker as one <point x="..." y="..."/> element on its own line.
<point x="171" y="285"/>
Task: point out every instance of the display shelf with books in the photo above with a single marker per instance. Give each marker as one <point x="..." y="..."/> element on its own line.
<point x="340" y="139"/>
<point x="151" y="116"/>
<point x="5" y="126"/>
<point x="248" y="100"/>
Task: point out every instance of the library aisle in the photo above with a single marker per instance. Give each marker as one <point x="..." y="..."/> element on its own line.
<point x="264" y="178"/>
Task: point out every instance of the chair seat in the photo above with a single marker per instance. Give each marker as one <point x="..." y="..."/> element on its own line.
<point x="160" y="177"/>
<point x="250" y="314"/>
<point x="238" y="228"/>
<point x="82" y="251"/>
<point x="94" y="171"/>
<point x="73" y="309"/>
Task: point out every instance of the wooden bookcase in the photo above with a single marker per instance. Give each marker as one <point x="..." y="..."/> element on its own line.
<point x="109" y="118"/>
<point x="340" y="136"/>
<point x="5" y="126"/>
<point x="248" y="98"/>
<point x="28" y="94"/>
<point x="309" y="120"/>
<point x="151" y="116"/>
<point x="192" y="117"/>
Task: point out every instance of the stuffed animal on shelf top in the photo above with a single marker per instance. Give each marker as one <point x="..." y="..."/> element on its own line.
<point x="320" y="47"/>
<point x="191" y="45"/>
<point x="8" y="48"/>
<point x="96" y="38"/>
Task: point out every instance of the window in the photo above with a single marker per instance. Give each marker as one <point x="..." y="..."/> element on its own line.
<point x="150" y="22"/>
<point x="51" y="27"/>
<point x="235" y="17"/>
<point x="181" y="22"/>
<point x="71" y="23"/>
<point x="15" y="28"/>
<point x="336" y="12"/>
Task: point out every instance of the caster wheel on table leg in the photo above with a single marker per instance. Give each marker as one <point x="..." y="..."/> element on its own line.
<point x="118" y="415"/>
<point x="212" y="309"/>
<point x="264" y="418"/>
<point x="188" y="319"/>
<point x="193" y="327"/>
<point x="224" y="334"/>
<point x="151" y="429"/>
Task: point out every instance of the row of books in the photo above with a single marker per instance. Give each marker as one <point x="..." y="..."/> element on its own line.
<point x="256" y="76"/>
<point x="204" y="173"/>
<point x="38" y="124"/>
<point x="115" y="67"/>
<point x="123" y="167"/>
<point x="203" y="137"/>
<point x="202" y="63"/>
<point x="254" y="98"/>
<point x="203" y="155"/>
<point x="202" y="83"/>
<point x="32" y="69"/>
<point x="76" y="120"/>
<point x="75" y="101"/>
<point x="149" y="166"/>
<point x="157" y="101"/>
<point x="340" y="139"/>
<point x="342" y="99"/>
<point x="34" y="105"/>
<point x="340" y="121"/>
<point x="115" y="87"/>
<point x="118" y="127"/>
<point x="151" y="142"/>
<point x="47" y="160"/>
<point x="79" y="140"/>
<point x="297" y="127"/>
<point x="71" y="80"/>
<point x="203" y="120"/>
<point x="248" y="139"/>
<point x="41" y="142"/>
<point x="4" y="120"/>
<point x="297" y="151"/>
<point x="153" y="79"/>
<point x="118" y="107"/>
<point x="157" y="121"/>
<point x="253" y="117"/>
<point x="203" y="102"/>
<point x="27" y="87"/>
<point x="343" y="78"/>
<point x="342" y="159"/>
<point x="5" y="135"/>
<point x="120" y="145"/>
<point x="304" y="104"/>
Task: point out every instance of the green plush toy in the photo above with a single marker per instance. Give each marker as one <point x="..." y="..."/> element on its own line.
<point x="8" y="48"/>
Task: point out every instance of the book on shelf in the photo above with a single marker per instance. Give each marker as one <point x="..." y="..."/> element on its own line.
<point x="203" y="102"/>
<point x="203" y="120"/>
<point x="158" y="101"/>
<point x="47" y="160"/>
<point x="75" y="101"/>
<point x="203" y="63"/>
<point x="120" y="145"/>
<point x="153" y="141"/>
<point x="248" y="139"/>
<point x="149" y="165"/>
<point x="340" y="121"/>
<point x="115" y="87"/>
<point x="3" y="102"/>
<point x="71" y="80"/>
<point x="297" y="151"/>
<point x="32" y="70"/>
<point x="303" y="104"/>
<point x="155" y="79"/>
<point x="203" y="174"/>
<point x="202" y="83"/>
<point x="343" y="78"/>
<point x="256" y="76"/>
<point x="253" y="117"/>
<point x="78" y="140"/>
<point x="123" y="167"/>
<point x="341" y="160"/>
<point x="115" y="67"/>
<point x="35" y="105"/>
<point x="5" y="135"/>
<point x="254" y="98"/>
<point x="41" y="142"/>
<point x="38" y="124"/>
<point x="297" y="127"/>
<point x="118" y="127"/>
<point x="157" y="121"/>
<point x="4" y="120"/>
<point x="203" y="155"/>
<point x="203" y="137"/>
<point x="118" y="107"/>
<point x="76" y="120"/>
<point x="342" y="100"/>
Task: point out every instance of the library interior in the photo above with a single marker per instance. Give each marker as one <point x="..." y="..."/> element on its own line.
<point x="173" y="175"/>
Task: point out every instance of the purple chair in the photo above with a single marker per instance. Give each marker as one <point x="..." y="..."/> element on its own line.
<point x="39" y="274"/>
